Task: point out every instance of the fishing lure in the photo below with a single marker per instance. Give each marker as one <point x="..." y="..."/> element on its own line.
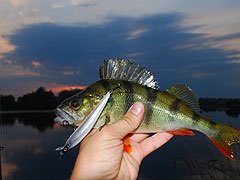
<point x="81" y="132"/>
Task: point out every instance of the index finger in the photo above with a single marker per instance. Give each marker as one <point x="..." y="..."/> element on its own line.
<point x="154" y="142"/>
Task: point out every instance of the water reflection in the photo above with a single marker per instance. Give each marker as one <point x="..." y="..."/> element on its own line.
<point x="30" y="140"/>
<point x="29" y="149"/>
<point x="40" y="121"/>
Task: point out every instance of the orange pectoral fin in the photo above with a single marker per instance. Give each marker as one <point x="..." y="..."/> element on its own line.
<point x="126" y="145"/>
<point x="182" y="132"/>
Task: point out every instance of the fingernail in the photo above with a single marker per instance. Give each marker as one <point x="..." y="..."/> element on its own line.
<point x="136" y="108"/>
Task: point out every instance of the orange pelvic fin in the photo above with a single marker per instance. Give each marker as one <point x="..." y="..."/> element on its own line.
<point x="224" y="138"/>
<point x="182" y="132"/>
<point x="126" y="145"/>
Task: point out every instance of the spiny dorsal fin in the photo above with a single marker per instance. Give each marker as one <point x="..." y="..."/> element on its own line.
<point x="184" y="93"/>
<point x="121" y="69"/>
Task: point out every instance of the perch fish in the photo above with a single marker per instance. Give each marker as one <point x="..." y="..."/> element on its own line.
<point x="175" y="110"/>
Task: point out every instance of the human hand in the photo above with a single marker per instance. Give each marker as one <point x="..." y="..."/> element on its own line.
<point x="101" y="154"/>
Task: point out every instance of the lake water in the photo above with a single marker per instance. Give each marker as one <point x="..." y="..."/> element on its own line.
<point x="29" y="141"/>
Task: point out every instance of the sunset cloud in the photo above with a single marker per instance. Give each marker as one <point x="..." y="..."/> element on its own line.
<point x="17" y="2"/>
<point x="36" y="63"/>
<point x="236" y="61"/>
<point x="6" y="46"/>
<point x="68" y="72"/>
<point x="24" y="73"/>
<point x="10" y="69"/>
<point x="58" y="89"/>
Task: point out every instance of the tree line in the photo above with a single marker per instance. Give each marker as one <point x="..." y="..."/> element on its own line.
<point x="41" y="99"/>
<point x="231" y="105"/>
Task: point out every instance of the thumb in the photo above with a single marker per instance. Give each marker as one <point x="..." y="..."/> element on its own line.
<point x="130" y="121"/>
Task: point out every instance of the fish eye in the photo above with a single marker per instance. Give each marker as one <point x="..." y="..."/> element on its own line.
<point x="75" y="104"/>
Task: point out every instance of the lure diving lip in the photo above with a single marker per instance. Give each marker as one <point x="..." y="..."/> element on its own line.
<point x="81" y="132"/>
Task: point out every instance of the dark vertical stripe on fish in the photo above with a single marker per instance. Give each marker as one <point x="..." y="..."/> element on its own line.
<point x="129" y="95"/>
<point x="196" y="117"/>
<point x="174" y="107"/>
<point x="212" y="123"/>
<point x="151" y="98"/>
<point x="106" y="85"/>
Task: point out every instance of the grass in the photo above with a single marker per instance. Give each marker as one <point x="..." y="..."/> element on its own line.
<point x="212" y="166"/>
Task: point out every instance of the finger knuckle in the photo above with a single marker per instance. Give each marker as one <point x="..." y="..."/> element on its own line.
<point x="128" y="120"/>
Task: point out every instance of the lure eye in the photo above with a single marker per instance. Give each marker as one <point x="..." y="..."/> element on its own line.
<point x="75" y="104"/>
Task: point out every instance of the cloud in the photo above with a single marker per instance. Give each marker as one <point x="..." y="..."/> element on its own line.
<point x="13" y="69"/>
<point x="24" y="73"/>
<point x="228" y="36"/>
<point x="83" y="3"/>
<point x="6" y="46"/>
<point x="215" y="20"/>
<point x="15" y="14"/>
<point x="136" y="33"/>
<point x="17" y="3"/>
<point x="58" y="5"/>
<point x="36" y="63"/>
<point x="201" y="74"/>
<point x="67" y="48"/>
<point x="236" y="61"/>
<point x="70" y="55"/>
<point x="56" y="88"/>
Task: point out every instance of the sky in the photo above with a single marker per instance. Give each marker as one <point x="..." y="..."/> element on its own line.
<point x="61" y="44"/>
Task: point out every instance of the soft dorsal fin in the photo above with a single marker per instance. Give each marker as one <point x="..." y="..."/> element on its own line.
<point x="121" y="69"/>
<point x="184" y="93"/>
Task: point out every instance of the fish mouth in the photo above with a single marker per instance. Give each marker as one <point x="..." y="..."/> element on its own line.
<point x="64" y="117"/>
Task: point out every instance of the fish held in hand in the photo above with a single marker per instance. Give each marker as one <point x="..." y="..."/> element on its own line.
<point x="175" y="110"/>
